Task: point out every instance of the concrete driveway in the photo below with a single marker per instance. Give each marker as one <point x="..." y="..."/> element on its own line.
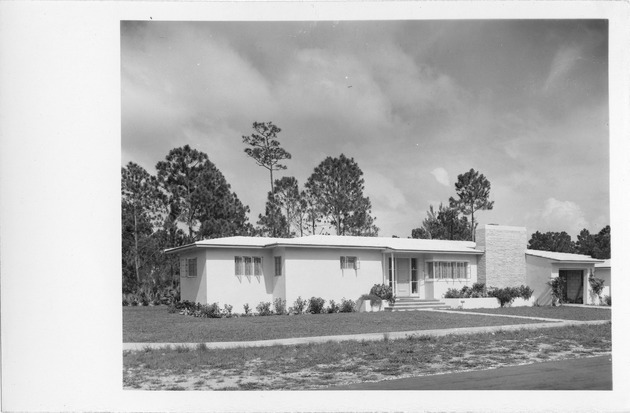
<point x="593" y="373"/>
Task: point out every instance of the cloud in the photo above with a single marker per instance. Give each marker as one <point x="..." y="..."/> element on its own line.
<point x="441" y="176"/>
<point x="563" y="62"/>
<point x="563" y="216"/>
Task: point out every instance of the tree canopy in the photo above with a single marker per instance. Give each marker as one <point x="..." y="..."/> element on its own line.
<point x="265" y="148"/>
<point x="473" y="191"/>
<point x="595" y="246"/>
<point x="337" y="187"/>
<point x="199" y="196"/>
<point x="551" y="241"/>
<point x="444" y="224"/>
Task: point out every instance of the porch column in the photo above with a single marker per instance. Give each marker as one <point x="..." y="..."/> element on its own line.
<point x="586" y="291"/>
<point x="393" y="273"/>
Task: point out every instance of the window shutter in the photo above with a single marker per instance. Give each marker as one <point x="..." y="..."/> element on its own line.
<point x="357" y="263"/>
<point x="342" y="262"/>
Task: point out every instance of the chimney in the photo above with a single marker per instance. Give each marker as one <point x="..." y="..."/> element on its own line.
<point x="503" y="261"/>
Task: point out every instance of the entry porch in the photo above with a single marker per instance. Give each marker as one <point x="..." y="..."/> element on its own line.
<point x="427" y="276"/>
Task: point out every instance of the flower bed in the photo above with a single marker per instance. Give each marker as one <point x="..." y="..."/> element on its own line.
<point x="485" y="302"/>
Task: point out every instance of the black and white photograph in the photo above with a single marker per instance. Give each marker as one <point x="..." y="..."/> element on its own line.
<point x="230" y="209"/>
<point x="333" y="197"/>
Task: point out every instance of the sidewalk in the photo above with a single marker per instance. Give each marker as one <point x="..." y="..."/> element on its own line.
<point x="551" y="323"/>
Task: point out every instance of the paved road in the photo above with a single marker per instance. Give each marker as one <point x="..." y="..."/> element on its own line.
<point x="593" y="373"/>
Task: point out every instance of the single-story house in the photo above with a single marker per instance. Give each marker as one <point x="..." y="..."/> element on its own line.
<point x="602" y="270"/>
<point x="250" y="270"/>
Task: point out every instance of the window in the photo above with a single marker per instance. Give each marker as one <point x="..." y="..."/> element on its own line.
<point x="349" y="263"/>
<point x="258" y="270"/>
<point x="278" y="266"/>
<point x="248" y="266"/>
<point x="439" y="270"/>
<point x="188" y="267"/>
<point x="238" y="265"/>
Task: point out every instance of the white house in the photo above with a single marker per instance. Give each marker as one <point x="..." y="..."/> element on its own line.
<point x="250" y="270"/>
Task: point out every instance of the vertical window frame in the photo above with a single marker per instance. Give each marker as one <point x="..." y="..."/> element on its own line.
<point x="277" y="262"/>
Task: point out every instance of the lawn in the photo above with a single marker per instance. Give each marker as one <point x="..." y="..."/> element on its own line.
<point x="316" y="366"/>
<point x="155" y="324"/>
<point x="562" y="312"/>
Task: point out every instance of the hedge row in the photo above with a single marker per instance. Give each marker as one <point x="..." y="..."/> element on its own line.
<point x="315" y="305"/>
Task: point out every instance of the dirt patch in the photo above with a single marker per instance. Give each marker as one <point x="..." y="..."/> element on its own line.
<point x="254" y="376"/>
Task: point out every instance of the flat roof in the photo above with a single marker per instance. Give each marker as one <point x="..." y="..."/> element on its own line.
<point x="336" y="241"/>
<point x="564" y="257"/>
<point x="605" y="264"/>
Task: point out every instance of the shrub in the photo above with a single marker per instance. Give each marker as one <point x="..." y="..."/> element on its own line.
<point x="504" y="295"/>
<point x="280" y="306"/>
<point x="227" y="311"/>
<point x="525" y="292"/>
<point x="452" y="293"/>
<point x="478" y="290"/>
<point x="375" y="300"/>
<point x="264" y="309"/>
<point x="383" y="291"/>
<point x="332" y="307"/>
<point x="316" y="305"/>
<point x="557" y="289"/>
<point x="465" y="292"/>
<point x="299" y="306"/>
<point x="597" y="285"/>
<point x="209" y="311"/>
<point x="608" y="300"/>
<point x="246" y="309"/>
<point x="347" y="306"/>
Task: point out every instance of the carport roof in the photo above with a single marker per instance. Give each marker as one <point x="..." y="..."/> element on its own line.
<point x="563" y="257"/>
<point x="334" y="241"/>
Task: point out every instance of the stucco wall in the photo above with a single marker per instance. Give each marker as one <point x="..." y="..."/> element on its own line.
<point x="437" y="288"/>
<point x="539" y="272"/>
<point x="194" y="288"/>
<point x="542" y="270"/>
<point x="225" y="287"/>
<point x="316" y="272"/>
<point x="586" y="270"/>
<point x="604" y="274"/>
<point x="503" y="264"/>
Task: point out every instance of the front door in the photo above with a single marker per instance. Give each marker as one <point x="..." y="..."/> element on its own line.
<point x="402" y="277"/>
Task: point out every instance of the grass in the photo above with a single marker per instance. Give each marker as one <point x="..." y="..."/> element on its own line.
<point x="155" y="324"/>
<point x="319" y="365"/>
<point x="562" y="312"/>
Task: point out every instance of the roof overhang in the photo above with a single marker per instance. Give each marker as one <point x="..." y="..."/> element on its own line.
<point x="188" y="247"/>
<point x="196" y="246"/>
<point x="565" y="262"/>
<point x="425" y="251"/>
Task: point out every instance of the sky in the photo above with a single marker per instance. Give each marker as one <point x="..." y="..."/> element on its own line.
<point x="415" y="103"/>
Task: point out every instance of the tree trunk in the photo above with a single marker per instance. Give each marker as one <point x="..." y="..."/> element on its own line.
<point x="135" y="240"/>
<point x="472" y="224"/>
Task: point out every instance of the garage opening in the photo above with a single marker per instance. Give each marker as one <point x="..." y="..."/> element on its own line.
<point x="573" y="282"/>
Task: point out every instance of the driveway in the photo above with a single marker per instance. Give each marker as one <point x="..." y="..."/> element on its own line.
<point x="593" y="373"/>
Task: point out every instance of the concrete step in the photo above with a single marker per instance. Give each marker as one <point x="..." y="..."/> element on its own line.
<point x="411" y="304"/>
